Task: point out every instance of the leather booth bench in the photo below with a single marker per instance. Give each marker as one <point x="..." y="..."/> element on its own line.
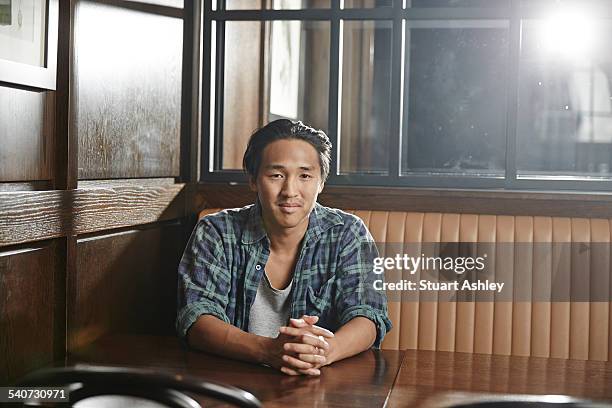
<point x="560" y="329"/>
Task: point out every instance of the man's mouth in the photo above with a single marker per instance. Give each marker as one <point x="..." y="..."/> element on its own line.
<point x="289" y="207"/>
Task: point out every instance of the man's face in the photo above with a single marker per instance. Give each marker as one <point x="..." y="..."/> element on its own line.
<point x="288" y="183"/>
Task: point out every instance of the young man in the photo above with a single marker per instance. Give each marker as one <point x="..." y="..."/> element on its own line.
<point x="247" y="271"/>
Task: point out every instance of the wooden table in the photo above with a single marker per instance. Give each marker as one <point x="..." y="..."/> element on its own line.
<point x="434" y="378"/>
<point x="362" y="381"/>
<point x="371" y="379"/>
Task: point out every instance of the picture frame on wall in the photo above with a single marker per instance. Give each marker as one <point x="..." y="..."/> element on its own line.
<point x="28" y="43"/>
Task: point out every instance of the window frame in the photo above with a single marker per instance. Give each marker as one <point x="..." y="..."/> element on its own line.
<point x="513" y="16"/>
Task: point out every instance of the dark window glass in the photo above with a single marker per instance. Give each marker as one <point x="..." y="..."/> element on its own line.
<point x="456" y="98"/>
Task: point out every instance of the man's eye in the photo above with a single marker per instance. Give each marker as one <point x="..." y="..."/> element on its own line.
<point x="276" y="175"/>
<point x="306" y="176"/>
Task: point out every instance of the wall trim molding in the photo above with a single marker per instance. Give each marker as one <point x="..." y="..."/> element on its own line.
<point x="37" y="215"/>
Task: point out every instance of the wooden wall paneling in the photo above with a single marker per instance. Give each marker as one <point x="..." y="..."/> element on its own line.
<point x="580" y="288"/>
<point x="610" y="291"/>
<point x="413" y="233"/>
<point x="428" y="308"/>
<point x="65" y="152"/>
<point x="504" y="272"/>
<point x="600" y="290"/>
<point x="484" y="308"/>
<point x="447" y="305"/>
<point x="468" y="236"/>
<point x="560" y="308"/>
<point x="523" y="277"/>
<point x="392" y="231"/>
<point x="394" y="237"/>
<point x="542" y="286"/>
<point x="30" y="305"/>
<point x="26" y="127"/>
<point x="26" y="186"/>
<point x="128" y="92"/>
<point x="32" y="215"/>
<point x="125" y="282"/>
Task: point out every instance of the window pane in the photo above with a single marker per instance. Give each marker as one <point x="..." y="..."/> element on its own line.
<point x="365" y="97"/>
<point x="457" y="3"/>
<point x="565" y="98"/>
<point x="366" y="3"/>
<point x="275" y="4"/>
<point x="456" y="98"/>
<point x="272" y="70"/>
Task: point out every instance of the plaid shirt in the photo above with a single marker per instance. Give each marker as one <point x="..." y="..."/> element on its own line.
<point x="333" y="279"/>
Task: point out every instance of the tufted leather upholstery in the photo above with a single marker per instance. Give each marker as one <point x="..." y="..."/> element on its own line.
<point x="576" y="330"/>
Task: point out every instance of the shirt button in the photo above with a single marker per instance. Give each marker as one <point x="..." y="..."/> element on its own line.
<point x="258" y="267"/>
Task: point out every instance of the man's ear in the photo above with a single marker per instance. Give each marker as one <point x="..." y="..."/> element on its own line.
<point x="252" y="184"/>
<point x="321" y="187"/>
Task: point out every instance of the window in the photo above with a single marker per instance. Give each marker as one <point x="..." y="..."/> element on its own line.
<point x="421" y="93"/>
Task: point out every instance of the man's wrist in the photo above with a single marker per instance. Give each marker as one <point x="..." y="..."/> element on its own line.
<point x="263" y="348"/>
<point x="333" y="350"/>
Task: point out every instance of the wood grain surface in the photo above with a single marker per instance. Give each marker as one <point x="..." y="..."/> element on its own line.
<point x="362" y="381"/>
<point x="424" y="379"/>
<point x="27" y="311"/>
<point x="128" y="92"/>
<point x="434" y="379"/>
<point x="124" y="282"/>
<point x="26" y="133"/>
<point x="36" y="215"/>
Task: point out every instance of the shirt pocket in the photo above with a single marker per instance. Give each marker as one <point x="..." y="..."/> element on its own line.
<point x="322" y="299"/>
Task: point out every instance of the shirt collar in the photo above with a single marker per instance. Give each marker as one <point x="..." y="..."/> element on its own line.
<point x="321" y="219"/>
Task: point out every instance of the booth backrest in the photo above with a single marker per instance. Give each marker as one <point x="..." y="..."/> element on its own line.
<point x="563" y="329"/>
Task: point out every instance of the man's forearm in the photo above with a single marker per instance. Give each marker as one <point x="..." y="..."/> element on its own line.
<point x="354" y="337"/>
<point x="212" y="335"/>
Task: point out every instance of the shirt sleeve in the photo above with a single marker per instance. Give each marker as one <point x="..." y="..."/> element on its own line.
<point x="203" y="278"/>
<point x="356" y="295"/>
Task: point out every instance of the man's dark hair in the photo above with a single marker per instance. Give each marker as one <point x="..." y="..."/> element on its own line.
<point x="286" y="129"/>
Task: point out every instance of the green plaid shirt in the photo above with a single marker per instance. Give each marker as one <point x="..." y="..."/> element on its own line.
<point x="333" y="279"/>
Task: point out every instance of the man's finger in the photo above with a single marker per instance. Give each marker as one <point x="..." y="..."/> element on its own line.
<point x="310" y="319"/>
<point x="311" y="371"/>
<point x="289" y="371"/>
<point x="298" y="331"/>
<point x="298" y="348"/>
<point x="313" y="359"/>
<point x="314" y="341"/>
<point x="296" y="362"/>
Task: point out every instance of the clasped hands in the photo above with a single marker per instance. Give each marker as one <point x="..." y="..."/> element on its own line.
<point x="302" y="347"/>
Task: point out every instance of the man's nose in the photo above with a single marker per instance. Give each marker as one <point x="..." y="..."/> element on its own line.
<point x="290" y="187"/>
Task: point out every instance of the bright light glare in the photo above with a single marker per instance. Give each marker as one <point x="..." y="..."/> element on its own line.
<point x="570" y="33"/>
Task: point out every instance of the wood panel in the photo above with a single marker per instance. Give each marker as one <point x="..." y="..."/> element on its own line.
<point x="33" y="215"/>
<point x="124" y="282"/>
<point x="28" y="314"/>
<point x="128" y="92"/>
<point x="26" y="124"/>
<point x="224" y="195"/>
